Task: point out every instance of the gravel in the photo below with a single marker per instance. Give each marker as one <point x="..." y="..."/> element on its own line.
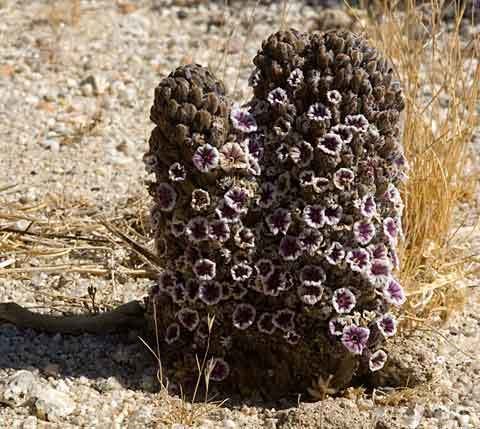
<point x="76" y="85"/>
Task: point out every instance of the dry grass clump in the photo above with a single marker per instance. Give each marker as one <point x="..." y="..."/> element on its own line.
<point x="442" y="89"/>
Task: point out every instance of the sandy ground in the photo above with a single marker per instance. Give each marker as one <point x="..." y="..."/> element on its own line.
<point x="76" y="85"/>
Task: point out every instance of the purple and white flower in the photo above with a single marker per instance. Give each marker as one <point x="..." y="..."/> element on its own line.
<point x="219" y="370"/>
<point x="265" y="323"/>
<point x="377" y="360"/>
<point x="368" y="207"/>
<point x="197" y="229"/>
<point x="237" y="198"/>
<point x="311" y="240"/>
<point x="206" y="158"/>
<point x="358" y="122"/>
<point x="343" y="300"/>
<point x="165" y="197"/>
<point x="314" y="216"/>
<point x="334" y="97"/>
<point x="336" y="326"/>
<point x="312" y="275"/>
<point x="277" y="97"/>
<point x="172" y="333"/>
<point x="335" y="253"/>
<point x="245" y="238"/>
<point x="200" y="199"/>
<point x="279" y="221"/>
<point x="177" y="227"/>
<point x="205" y="269"/>
<point x="176" y="172"/>
<point x="318" y="112"/>
<point x="378" y="251"/>
<point x="290" y="248"/>
<point x="241" y="272"/>
<point x="284" y="320"/>
<point x="226" y="213"/>
<point x="380" y="270"/>
<point x="210" y="292"/>
<point x="292" y="337"/>
<point x="243" y="120"/>
<point x="358" y="260"/>
<point x="390" y="229"/>
<point x="387" y="324"/>
<point x="310" y="294"/>
<point x="219" y="230"/>
<point x="167" y="280"/>
<point x="295" y="79"/>
<point x="344" y="132"/>
<point x="244" y="316"/>
<point x="394" y="293"/>
<point x="307" y="178"/>
<point x="333" y="214"/>
<point x="189" y="318"/>
<point x="264" y="268"/>
<point x="267" y="196"/>
<point x="233" y="157"/>
<point x="364" y="231"/>
<point x="343" y="178"/>
<point x="301" y="154"/>
<point x="331" y="144"/>
<point x="355" y="338"/>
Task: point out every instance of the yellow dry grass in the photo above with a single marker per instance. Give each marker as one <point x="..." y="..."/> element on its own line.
<point x="442" y="90"/>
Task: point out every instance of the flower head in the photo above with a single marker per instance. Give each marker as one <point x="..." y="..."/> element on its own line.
<point x="355" y="338"/>
<point x="167" y="280"/>
<point x="336" y="326"/>
<point x="312" y="275"/>
<point x="197" y="229"/>
<point x="165" y="197"/>
<point x="219" y="370"/>
<point x="318" y="112"/>
<point x="243" y="120"/>
<point x="237" y="199"/>
<point x="390" y="229"/>
<point x="380" y="270"/>
<point x="335" y="253"/>
<point x="177" y="227"/>
<point x="358" y="260"/>
<point x="393" y="292"/>
<point x="188" y="318"/>
<point x="279" y="221"/>
<point x="364" y="231"/>
<point x="172" y="333"/>
<point x="377" y="360"/>
<point x="265" y="323"/>
<point x="245" y="238"/>
<point x="219" y="230"/>
<point x="387" y="325"/>
<point x="200" y="199"/>
<point x="206" y="158"/>
<point x="295" y="79"/>
<point x="244" y="316"/>
<point x="205" y="269"/>
<point x="226" y="213"/>
<point x="310" y="294"/>
<point x="368" y="207"/>
<point x="267" y="195"/>
<point x="176" y="172"/>
<point x="233" y="157"/>
<point x="343" y="300"/>
<point x="311" y="240"/>
<point x="358" y="122"/>
<point x="274" y="283"/>
<point x="210" y="292"/>
<point x="331" y="144"/>
<point x="264" y="268"/>
<point x="292" y="337"/>
<point x="191" y="289"/>
<point x="307" y="178"/>
<point x="277" y="97"/>
<point x="284" y="319"/>
<point x="314" y="216"/>
<point x="241" y="272"/>
<point x="334" y="97"/>
<point x="343" y="178"/>
<point x="378" y="251"/>
<point x="333" y="214"/>
<point x="290" y="248"/>
<point x="344" y="132"/>
<point x="301" y="154"/>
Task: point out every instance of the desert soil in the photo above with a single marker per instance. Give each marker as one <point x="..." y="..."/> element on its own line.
<point x="76" y="85"/>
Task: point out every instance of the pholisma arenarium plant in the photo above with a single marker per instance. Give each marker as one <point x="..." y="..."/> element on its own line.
<point x="280" y="217"/>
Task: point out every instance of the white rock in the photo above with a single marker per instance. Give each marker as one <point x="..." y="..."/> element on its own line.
<point x="30" y="423"/>
<point x="20" y="387"/>
<point x="52" y="404"/>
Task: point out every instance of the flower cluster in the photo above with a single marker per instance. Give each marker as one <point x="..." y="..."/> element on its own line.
<point x="280" y="217"/>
